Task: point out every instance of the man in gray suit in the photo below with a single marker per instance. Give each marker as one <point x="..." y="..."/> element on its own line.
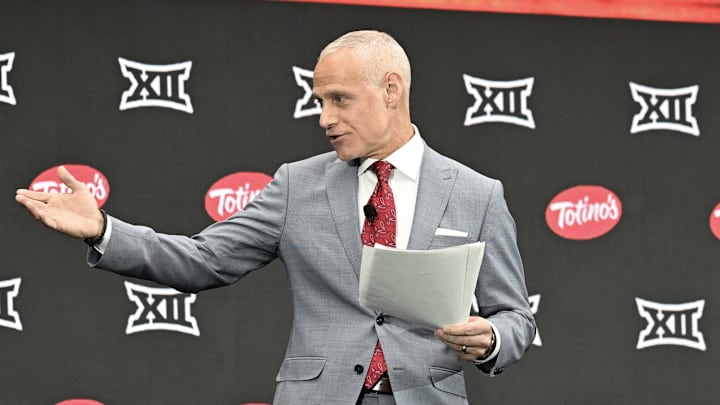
<point x="362" y="80"/>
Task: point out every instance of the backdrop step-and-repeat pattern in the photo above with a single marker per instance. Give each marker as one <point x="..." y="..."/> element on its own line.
<point x="176" y="113"/>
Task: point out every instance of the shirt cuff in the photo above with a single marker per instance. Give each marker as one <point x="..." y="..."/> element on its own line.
<point x="494" y="352"/>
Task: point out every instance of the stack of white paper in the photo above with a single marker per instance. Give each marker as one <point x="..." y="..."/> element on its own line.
<point x="432" y="288"/>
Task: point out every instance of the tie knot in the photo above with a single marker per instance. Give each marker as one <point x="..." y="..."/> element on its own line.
<point x="382" y="170"/>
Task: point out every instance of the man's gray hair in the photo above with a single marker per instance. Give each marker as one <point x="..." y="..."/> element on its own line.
<point x="380" y="52"/>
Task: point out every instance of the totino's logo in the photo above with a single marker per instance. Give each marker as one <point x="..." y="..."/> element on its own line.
<point x="715" y="221"/>
<point x="669" y="109"/>
<point x="307" y="105"/>
<point x="6" y="91"/>
<point x="160" y="309"/>
<point x="49" y="182"/>
<point x="233" y="192"/>
<point x="583" y="212"/>
<point x="156" y="85"/>
<point x="671" y="324"/>
<point x="499" y="101"/>
<point x="9" y="318"/>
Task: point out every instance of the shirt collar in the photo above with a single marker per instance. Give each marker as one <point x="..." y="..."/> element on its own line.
<point x="407" y="159"/>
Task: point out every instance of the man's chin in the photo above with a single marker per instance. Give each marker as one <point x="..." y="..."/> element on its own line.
<point x="344" y="155"/>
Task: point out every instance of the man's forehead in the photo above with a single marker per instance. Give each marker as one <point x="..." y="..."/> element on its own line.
<point x="323" y="77"/>
<point x="335" y="80"/>
<point x="339" y="62"/>
<point x="321" y="89"/>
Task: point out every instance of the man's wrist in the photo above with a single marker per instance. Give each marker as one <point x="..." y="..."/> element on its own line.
<point x="493" y="350"/>
<point x="94" y="241"/>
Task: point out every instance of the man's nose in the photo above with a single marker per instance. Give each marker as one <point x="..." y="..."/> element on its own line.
<point x="327" y="119"/>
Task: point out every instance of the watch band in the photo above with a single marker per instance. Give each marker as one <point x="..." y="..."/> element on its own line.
<point x="99" y="238"/>
<point x="490" y="349"/>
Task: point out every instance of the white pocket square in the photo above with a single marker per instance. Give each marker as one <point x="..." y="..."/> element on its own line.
<point x="450" y="232"/>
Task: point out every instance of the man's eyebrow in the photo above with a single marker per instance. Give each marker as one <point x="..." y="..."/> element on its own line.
<point x="329" y="94"/>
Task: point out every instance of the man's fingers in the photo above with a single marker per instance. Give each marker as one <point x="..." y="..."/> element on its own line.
<point x="450" y="339"/>
<point x="37" y="209"/>
<point x="468" y="329"/>
<point x="471" y="334"/>
<point x="474" y="326"/>
<point x="34" y="206"/>
<point x="67" y="178"/>
<point x="31" y="195"/>
<point x="26" y="201"/>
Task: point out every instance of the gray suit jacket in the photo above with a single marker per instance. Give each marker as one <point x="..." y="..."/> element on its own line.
<point x="308" y="217"/>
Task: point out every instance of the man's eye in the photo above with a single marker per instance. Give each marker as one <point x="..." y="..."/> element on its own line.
<point x="340" y="99"/>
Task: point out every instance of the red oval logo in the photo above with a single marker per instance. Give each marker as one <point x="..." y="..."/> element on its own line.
<point x="49" y="182"/>
<point x="583" y="212"/>
<point x="715" y="221"/>
<point x="79" y="402"/>
<point x="233" y="192"/>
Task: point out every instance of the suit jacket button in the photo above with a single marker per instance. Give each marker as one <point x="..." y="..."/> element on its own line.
<point x="380" y="320"/>
<point x="499" y="370"/>
<point x="359" y="369"/>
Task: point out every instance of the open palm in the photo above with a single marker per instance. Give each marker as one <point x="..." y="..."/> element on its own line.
<point x="75" y="214"/>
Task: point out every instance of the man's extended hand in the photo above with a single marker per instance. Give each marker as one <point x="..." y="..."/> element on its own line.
<point x="75" y="214"/>
<point x="475" y="336"/>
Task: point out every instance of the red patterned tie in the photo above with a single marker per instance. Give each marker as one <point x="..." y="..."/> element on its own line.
<point x="380" y="229"/>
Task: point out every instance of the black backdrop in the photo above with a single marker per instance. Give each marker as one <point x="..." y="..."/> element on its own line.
<point x="160" y="162"/>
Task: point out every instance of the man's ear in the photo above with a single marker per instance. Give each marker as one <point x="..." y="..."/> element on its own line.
<point x="394" y="88"/>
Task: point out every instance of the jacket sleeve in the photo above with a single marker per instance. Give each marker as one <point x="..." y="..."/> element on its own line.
<point x="221" y="254"/>
<point x="501" y="291"/>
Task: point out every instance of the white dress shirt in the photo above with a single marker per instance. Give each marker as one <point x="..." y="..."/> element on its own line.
<point x="403" y="181"/>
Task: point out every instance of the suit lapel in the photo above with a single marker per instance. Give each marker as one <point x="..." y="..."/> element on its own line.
<point x="435" y="185"/>
<point x="342" y="184"/>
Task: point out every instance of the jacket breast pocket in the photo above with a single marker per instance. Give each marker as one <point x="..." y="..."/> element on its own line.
<point x="301" y="369"/>
<point x="444" y="241"/>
